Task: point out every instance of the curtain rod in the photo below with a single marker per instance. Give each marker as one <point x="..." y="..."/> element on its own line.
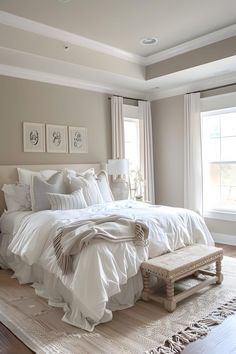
<point x="214" y="88"/>
<point x="129" y="98"/>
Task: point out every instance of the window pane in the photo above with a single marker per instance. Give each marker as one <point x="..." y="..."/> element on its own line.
<point x="213" y="149"/>
<point x="212" y="126"/>
<point x="228" y="124"/>
<point x="228" y="149"/>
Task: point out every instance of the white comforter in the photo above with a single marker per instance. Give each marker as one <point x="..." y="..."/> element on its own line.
<point x="101" y="271"/>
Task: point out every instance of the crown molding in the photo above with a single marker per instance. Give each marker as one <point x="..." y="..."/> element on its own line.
<point x="196" y="43"/>
<point x="36" y="75"/>
<point x="41" y="29"/>
<point x="194" y="86"/>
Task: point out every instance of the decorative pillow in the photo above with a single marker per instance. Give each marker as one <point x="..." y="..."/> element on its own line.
<point x="17" y="197"/>
<point x="89" y="186"/>
<point x="72" y="173"/>
<point x="104" y="187"/>
<point x="67" y="201"/>
<point x="25" y="176"/>
<point x="39" y="189"/>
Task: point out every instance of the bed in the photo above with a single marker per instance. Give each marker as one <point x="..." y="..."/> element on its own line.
<point x="106" y="276"/>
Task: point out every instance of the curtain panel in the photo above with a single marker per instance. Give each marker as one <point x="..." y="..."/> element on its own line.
<point x="193" y="178"/>
<point x="148" y="168"/>
<point x="117" y="125"/>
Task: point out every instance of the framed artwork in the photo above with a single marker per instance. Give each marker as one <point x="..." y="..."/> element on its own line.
<point x="34" y="137"/>
<point x="78" y="140"/>
<point x="57" y="141"/>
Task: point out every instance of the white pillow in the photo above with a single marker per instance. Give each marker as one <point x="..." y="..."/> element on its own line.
<point x="17" y="197"/>
<point x="39" y="189"/>
<point x="104" y="187"/>
<point x="67" y="201"/>
<point x="25" y="176"/>
<point x="88" y="183"/>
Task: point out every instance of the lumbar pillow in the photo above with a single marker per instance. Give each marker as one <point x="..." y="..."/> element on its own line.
<point x="17" y="197"/>
<point x="88" y="183"/>
<point x="104" y="187"/>
<point x="67" y="201"/>
<point x="39" y="189"/>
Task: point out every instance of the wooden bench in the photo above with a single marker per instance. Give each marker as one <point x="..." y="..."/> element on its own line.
<point x="177" y="265"/>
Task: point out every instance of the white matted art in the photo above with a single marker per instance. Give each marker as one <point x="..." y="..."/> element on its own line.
<point x="34" y="137"/>
<point x="78" y="140"/>
<point x="57" y="140"/>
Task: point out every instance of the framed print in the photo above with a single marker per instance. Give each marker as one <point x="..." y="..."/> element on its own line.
<point x="78" y="140"/>
<point x="56" y="138"/>
<point x="34" y="137"/>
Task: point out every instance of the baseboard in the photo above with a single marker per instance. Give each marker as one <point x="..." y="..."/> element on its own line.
<point x="224" y="238"/>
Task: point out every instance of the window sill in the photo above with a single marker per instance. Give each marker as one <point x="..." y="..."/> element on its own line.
<point x="220" y="215"/>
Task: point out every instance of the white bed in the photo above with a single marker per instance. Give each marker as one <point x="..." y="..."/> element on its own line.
<point x="106" y="276"/>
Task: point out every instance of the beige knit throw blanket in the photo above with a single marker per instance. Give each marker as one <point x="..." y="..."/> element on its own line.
<point x="114" y="228"/>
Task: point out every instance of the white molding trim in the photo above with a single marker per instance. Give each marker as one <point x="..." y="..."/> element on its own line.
<point x="35" y="75"/>
<point x="193" y="86"/>
<point x="41" y="29"/>
<point x="224" y="238"/>
<point x="196" y="43"/>
<point x="25" y="24"/>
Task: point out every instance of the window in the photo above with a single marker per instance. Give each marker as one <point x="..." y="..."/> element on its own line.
<point x="132" y="142"/>
<point x="219" y="160"/>
<point x="133" y="128"/>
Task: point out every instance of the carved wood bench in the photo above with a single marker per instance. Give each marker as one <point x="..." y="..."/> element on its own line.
<point x="177" y="265"/>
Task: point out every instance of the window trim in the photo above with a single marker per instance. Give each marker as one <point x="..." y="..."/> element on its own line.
<point x="219" y="215"/>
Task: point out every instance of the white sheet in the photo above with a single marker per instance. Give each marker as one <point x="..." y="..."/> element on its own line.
<point x="103" y="267"/>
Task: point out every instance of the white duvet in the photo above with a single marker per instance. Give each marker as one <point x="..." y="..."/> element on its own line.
<point x="106" y="275"/>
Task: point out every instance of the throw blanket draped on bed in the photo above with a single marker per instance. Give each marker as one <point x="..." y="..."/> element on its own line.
<point x="71" y="239"/>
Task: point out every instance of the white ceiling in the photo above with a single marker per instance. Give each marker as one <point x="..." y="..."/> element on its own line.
<point x="122" y="23"/>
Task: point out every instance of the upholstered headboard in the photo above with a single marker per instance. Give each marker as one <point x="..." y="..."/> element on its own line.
<point x="8" y="173"/>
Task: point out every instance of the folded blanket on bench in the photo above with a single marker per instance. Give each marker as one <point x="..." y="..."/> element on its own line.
<point x="114" y="228"/>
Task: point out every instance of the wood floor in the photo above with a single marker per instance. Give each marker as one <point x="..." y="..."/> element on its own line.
<point x="221" y="340"/>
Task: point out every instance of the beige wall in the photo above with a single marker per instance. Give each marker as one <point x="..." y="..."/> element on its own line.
<point x="30" y="101"/>
<point x="168" y="150"/>
<point x="210" y="53"/>
<point x="168" y="136"/>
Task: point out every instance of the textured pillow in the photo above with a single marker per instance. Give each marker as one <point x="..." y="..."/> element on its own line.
<point x="104" y="187"/>
<point x="25" y="176"/>
<point x="39" y="189"/>
<point x="67" y="201"/>
<point x="89" y="186"/>
<point x="17" y="197"/>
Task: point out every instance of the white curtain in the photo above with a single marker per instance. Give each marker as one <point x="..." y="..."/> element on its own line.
<point x="193" y="180"/>
<point x="117" y="124"/>
<point x="148" y="168"/>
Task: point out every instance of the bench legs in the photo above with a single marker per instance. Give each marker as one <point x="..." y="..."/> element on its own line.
<point x="169" y="302"/>
<point x="218" y="272"/>
<point x="146" y="290"/>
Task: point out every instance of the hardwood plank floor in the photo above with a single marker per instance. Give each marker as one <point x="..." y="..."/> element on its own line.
<point x="220" y="340"/>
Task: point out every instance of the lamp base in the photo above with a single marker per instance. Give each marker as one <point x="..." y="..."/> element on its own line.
<point x="120" y="189"/>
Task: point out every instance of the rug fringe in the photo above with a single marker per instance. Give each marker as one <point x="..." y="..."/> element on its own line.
<point x="195" y="330"/>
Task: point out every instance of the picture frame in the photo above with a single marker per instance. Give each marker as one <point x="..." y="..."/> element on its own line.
<point x="78" y="140"/>
<point x="33" y="137"/>
<point x="57" y="138"/>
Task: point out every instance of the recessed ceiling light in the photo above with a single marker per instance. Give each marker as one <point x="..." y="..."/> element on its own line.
<point x="149" y="41"/>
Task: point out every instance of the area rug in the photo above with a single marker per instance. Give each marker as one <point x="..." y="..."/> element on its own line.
<point x="144" y="328"/>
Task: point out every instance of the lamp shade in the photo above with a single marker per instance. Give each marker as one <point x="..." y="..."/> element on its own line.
<point x="118" y="167"/>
